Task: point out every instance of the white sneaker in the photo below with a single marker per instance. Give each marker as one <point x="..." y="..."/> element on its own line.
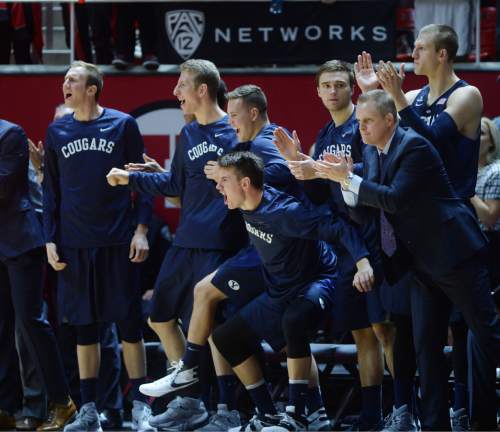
<point x="180" y="378"/>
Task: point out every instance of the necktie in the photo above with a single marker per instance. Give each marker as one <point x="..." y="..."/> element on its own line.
<point x="387" y="237"/>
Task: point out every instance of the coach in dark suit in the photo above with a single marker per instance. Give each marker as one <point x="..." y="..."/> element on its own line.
<point x="424" y="227"/>
<point x="21" y="275"/>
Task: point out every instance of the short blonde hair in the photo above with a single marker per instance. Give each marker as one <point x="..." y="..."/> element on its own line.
<point x="94" y="75"/>
<point x="494" y="150"/>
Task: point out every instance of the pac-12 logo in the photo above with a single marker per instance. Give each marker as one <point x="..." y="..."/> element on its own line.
<point x="185" y="30"/>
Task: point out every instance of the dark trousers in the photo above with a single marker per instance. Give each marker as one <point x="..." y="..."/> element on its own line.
<point x="127" y="13"/>
<point x="109" y="394"/>
<point x="468" y="287"/>
<point x="35" y="397"/>
<point x="21" y="293"/>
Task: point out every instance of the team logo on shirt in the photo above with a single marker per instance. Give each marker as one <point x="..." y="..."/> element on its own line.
<point x="268" y="238"/>
<point x="203" y="148"/>
<point x="185" y="30"/>
<point x="233" y="285"/>
<point x="336" y="149"/>
<point x="87" y="144"/>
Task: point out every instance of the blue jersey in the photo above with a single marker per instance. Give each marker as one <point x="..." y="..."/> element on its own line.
<point x="81" y="209"/>
<point x="287" y="234"/>
<point x="205" y="222"/>
<point x="460" y="154"/>
<point x="276" y="171"/>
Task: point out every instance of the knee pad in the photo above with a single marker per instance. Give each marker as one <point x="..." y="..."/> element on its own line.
<point x="87" y="334"/>
<point x="298" y="324"/>
<point x="130" y="330"/>
<point x="235" y="340"/>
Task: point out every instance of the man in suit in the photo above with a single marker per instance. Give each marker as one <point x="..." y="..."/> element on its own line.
<point x="21" y="258"/>
<point x="425" y="227"/>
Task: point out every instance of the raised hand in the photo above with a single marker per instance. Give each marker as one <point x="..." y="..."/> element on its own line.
<point x="36" y="154"/>
<point x="390" y="79"/>
<point x="289" y="147"/>
<point x="303" y="168"/>
<point x="334" y="167"/>
<point x="366" y="77"/>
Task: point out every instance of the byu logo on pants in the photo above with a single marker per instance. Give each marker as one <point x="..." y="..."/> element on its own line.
<point x="234" y="285"/>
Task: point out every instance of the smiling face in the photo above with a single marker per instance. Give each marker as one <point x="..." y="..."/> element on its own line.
<point x="334" y="90"/>
<point x="187" y="93"/>
<point x="75" y="89"/>
<point x="242" y="118"/>
<point x="375" y="128"/>
<point x="232" y="188"/>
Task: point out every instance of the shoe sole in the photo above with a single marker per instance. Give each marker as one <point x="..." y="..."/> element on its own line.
<point x="157" y="393"/>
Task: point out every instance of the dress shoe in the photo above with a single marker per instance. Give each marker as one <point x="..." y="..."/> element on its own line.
<point x="59" y="415"/>
<point x="111" y="419"/>
<point x="28" y="423"/>
<point x="7" y="421"/>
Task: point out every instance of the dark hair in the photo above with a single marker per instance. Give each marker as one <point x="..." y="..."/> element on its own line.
<point x="246" y="164"/>
<point x="444" y="37"/>
<point x="382" y="100"/>
<point x="252" y="96"/>
<point x="336" y="66"/>
<point x="204" y="72"/>
<point x="94" y="75"/>
<point x="222" y="95"/>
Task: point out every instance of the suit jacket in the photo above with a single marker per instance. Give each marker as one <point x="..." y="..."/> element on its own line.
<point x="20" y="228"/>
<point x="430" y="222"/>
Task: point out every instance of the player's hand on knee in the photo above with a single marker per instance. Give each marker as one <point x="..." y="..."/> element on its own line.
<point x="117" y="177"/>
<point x="364" y="277"/>
<point x="365" y="73"/>
<point x="139" y="248"/>
<point x="53" y="257"/>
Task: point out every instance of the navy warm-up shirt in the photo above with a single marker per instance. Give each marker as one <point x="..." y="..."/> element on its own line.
<point x="205" y="222"/>
<point x="81" y="209"/>
<point x="276" y="171"/>
<point x="287" y="235"/>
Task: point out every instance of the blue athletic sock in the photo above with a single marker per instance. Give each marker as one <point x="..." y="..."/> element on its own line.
<point x="88" y="390"/>
<point x="134" y="391"/>
<point x="227" y="390"/>
<point x="297" y="394"/>
<point x="460" y="399"/>
<point x="403" y="393"/>
<point x="371" y="397"/>
<point x="314" y="399"/>
<point x="192" y="355"/>
<point x="261" y="397"/>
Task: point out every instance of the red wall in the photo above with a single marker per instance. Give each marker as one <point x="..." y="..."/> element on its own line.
<point x="29" y="101"/>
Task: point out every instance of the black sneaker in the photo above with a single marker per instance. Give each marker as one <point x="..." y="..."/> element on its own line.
<point x="151" y="62"/>
<point x="120" y="63"/>
<point x="289" y="422"/>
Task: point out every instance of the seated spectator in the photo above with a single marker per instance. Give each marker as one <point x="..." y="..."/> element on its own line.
<point x="487" y="199"/>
